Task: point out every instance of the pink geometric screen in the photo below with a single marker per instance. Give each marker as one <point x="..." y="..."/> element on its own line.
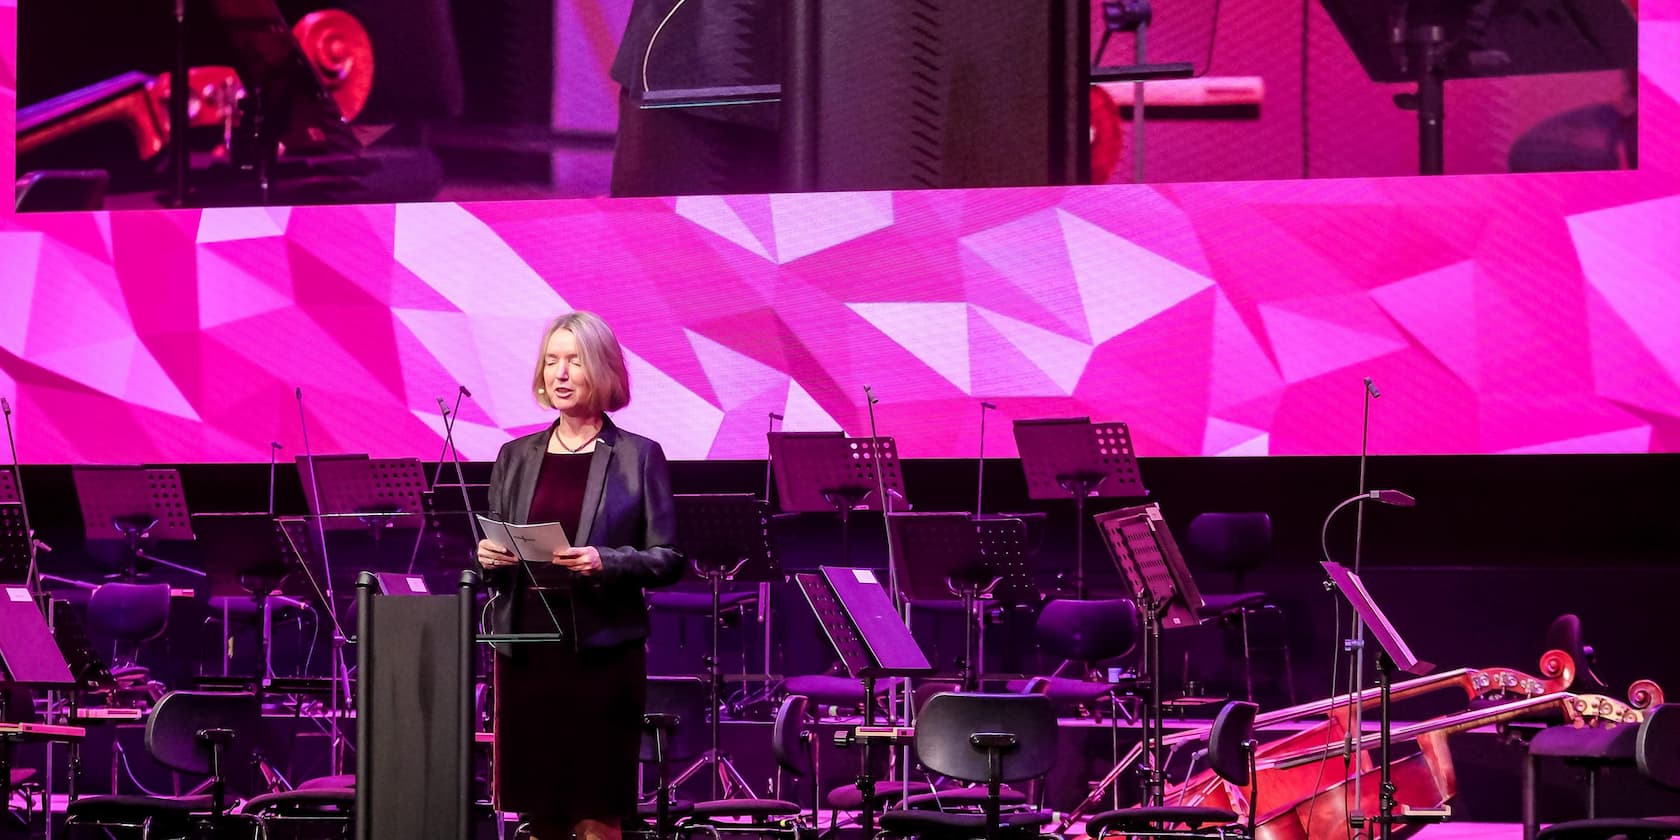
<point x="1496" y="313"/>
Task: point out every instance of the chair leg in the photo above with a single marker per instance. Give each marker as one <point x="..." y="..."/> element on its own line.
<point x="1592" y="792"/>
<point x="1530" y="805"/>
<point x="1248" y="655"/>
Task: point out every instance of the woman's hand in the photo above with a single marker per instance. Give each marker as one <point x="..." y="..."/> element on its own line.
<point x="583" y="559"/>
<point x="494" y="555"/>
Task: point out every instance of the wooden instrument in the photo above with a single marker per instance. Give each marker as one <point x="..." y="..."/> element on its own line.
<point x="1304" y="782"/>
<point x="337" y="46"/>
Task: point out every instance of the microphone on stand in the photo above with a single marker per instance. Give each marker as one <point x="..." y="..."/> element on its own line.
<point x="1371" y="388"/>
<point x="980" y="470"/>
<point x="273" y="452"/>
<point x="769" y="430"/>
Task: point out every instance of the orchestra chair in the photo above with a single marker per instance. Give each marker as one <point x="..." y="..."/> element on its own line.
<point x="984" y="738"/>
<point x="1230" y="755"/>
<point x="673" y="729"/>
<point x="131" y="614"/>
<point x="1652" y="746"/>
<point x="198" y="733"/>
<point x="1240" y="543"/>
<point x="1081" y="634"/>
<point x="795" y="751"/>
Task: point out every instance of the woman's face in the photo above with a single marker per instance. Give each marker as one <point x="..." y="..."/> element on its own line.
<point x="564" y="375"/>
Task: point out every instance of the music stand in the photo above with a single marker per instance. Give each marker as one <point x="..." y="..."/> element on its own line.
<point x="1149" y="561"/>
<point x="87" y="666"/>
<point x="1393" y="654"/>
<point x="247" y="555"/>
<point x="827" y="471"/>
<point x="14" y="545"/>
<point x="133" y="504"/>
<point x="1431" y="43"/>
<point x="448" y="508"/>
<point x="1065" y="457"/>
<point x="946" y="555"/>
<point x="726" y="536"/>
<point x="866" y="631"/>
<point x="29" y="658"/>
<point x="8" y="487"/>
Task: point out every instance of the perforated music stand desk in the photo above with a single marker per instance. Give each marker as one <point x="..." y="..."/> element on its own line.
<point x="1065" y="457"/>
<point x="1353" y="589"/>
<point x="361" y="492"/>
<point x="945" y="556"/>
<point x="827" y="471"/>
<point x="8" y="486"/>
<point x="728" y="532"/>
<point x="133" y="504"/>
<point x="1149" y="561"/>
<point x="14" y="544"/>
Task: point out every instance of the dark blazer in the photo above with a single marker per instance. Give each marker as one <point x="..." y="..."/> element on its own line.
<point x="628" y="515"/>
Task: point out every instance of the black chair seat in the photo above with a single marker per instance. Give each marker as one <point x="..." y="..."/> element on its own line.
<point x="313" y="802"/>
<point x="697" y="602"/>
<point x="849" y="798"/>
<point x="338" y="782"/>
<point x="1127" y="820"/>
<point x="750" y="808"/>
<point x="133" y="808"/>
<point x="679" y="808"/>
<point x="833" y="690"/>
<point x="1605" y="745"/>
<point x="963" y="824"/>
<point x="1649" y="828"/>
<point x="969" y="797"/>
<point x="1214" y="603"/>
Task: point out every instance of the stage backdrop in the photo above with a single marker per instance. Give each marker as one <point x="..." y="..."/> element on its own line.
<point x="1496" y="313"/>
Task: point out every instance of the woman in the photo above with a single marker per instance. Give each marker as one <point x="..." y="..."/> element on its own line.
<point x="568" y="713"/>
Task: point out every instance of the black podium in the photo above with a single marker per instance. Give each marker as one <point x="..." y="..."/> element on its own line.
<point x="1432" y="43"/>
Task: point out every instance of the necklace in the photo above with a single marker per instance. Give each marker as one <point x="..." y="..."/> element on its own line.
<point x="573" y="450"/>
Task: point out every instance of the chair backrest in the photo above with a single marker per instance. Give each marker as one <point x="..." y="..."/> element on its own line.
<point x="787" y="737"/>
<point x="1565" y="634"/>
<point x="1232" y="728"/>
<point x="1657" y="748"/>
<point x="948" y="721"/>
<point x="1233" y="542"/>
<point x="685" y="699"/>
<point x="130" y="612"/>
<point x="1089" y="631"/>
<point x="172" y="730"/>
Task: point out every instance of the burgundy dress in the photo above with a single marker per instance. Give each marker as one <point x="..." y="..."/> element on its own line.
<point x="568" y="722"/>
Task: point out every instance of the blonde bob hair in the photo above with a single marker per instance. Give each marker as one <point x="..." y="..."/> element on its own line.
<point x="603" y="359"/>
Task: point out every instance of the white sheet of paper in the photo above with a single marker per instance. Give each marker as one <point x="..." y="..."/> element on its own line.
<point x="534" y="543"/>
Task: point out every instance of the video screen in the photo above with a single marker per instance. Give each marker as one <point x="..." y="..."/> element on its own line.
<point x="297" y="102"/>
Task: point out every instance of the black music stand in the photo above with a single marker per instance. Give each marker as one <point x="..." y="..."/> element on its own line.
<point x="87" y="666"/>
<point x="726" y="536"/>
<point x="29" y="658"/>
<point x="1149" y="561"/>
<point x="14" y="544"/>
<point x="946" y="555"/>
<point x="8" y="486"/>
<point x="1430" y="43"/>
<point x="133" y="504"/>
<point x="1065" y="457"/>
<point x="450" y="510"/>
<point x="1393" y="654"/>
<point x="247" y="555"/>
<point x="827" y="471"/>
<point x="862" y="623"/>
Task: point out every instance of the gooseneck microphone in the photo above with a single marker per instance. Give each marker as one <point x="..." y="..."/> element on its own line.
<point x="1371" y="388"/>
